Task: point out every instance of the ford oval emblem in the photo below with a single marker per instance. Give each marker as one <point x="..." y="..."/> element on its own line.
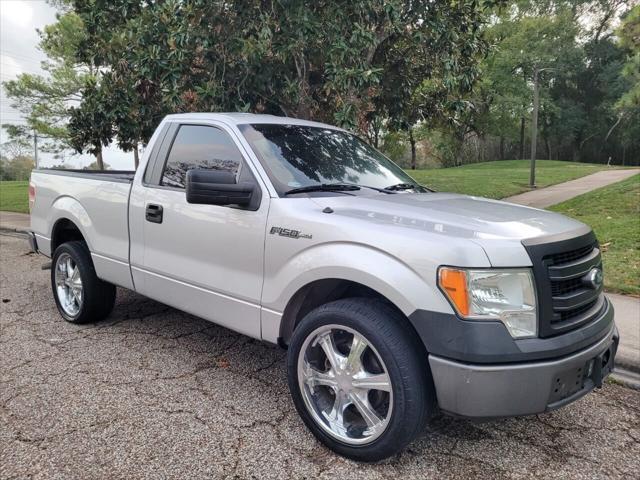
<point x="593" y="279"/>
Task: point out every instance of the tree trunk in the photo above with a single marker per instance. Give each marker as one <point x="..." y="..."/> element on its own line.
<point x="522" y="138"/>
<point x="413" y="149"/>
<point x="136" y="159"/>
<point x="501" y="148"/>
<point x="547" y="145"/>
<point x="99" y="160"/>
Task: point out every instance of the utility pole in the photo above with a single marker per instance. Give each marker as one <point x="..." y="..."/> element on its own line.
<point x="35" y="147"/>
<point x="534" y="128"/>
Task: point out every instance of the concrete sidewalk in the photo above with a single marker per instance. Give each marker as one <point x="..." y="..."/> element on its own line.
<point x="17" y="222"/>
<point x="548" y="196"/>
<point x="627" y="316"/>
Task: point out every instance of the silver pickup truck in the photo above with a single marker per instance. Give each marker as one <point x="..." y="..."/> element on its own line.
<point x="394" y="301"/>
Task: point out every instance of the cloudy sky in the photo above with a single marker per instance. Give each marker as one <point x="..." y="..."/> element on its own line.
<point x="19" y="53"/>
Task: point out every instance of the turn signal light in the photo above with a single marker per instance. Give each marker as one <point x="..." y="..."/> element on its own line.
<point x="454" y="284"/>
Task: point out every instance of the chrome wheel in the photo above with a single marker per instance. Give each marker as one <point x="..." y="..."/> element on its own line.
<point x="68" y="284"/>
<point x="345" y="384"/>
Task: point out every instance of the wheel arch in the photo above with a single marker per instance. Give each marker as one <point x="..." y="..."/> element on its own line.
<point x="321" y="292"/>
<point x="69" y="221"/>
<point x="65" y="230"/>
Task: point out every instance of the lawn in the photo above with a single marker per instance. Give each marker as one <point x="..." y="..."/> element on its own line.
<point x="614" y="214"/>
<point x="14" y="196"/>
<point x="502" y="178"/>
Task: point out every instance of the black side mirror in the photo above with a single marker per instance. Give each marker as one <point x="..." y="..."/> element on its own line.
<point x="215" y="187"/>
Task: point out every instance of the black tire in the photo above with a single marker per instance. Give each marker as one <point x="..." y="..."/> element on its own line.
<point x="395" y="341"/>
<point x="98" y="296"/>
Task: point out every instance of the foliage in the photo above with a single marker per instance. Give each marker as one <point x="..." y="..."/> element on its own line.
<point x="44" y="100"/>
<point x="571" y="44"/>
<point x="346" y="63"/>
<point x="16" y="168"/>
<point x="628" y="105"/>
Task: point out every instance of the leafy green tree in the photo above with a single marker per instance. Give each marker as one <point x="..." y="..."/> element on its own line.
<point x="628" y="105"/>
<point x="16" y="161"/>
<point x="44" y="100"/>
<point x="332" y="61"/>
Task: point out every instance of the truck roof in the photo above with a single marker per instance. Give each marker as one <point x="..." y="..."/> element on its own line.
<point x="238" y="118"/>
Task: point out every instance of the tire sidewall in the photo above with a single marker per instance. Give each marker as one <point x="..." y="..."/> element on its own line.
<point x="74" y="250"/>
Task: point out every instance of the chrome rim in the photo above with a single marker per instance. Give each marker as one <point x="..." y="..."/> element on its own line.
<point x="68" y="284"/>
<point x="345" y="384"/>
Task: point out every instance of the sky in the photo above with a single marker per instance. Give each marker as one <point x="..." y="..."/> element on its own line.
<point x="19" y="53"/>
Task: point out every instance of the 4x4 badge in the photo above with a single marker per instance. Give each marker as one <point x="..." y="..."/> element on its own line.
<point x="287" y="232"/>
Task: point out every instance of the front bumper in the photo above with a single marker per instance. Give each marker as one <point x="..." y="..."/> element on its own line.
<point x="486" y="391"/>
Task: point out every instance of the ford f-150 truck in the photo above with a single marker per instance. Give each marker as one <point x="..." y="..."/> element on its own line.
<point x="394" y="301"/>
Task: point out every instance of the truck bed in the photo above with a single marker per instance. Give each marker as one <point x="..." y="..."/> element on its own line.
<point x="111" y="175"/>
<point x="97" y="203"/>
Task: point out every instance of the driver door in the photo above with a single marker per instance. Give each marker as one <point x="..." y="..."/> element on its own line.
<point x="204" y="259"/>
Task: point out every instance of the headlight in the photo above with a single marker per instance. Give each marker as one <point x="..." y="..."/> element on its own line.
<point x="505" y="295"/>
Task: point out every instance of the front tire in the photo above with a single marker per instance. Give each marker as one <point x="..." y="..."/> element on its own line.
<point x="359" y="378"/>
<point x="81" y="297"/>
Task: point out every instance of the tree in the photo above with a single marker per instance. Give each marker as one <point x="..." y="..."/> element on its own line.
<point x="323" y="60"/>
<point x="16" y="161"/>
<point x="628" y="105"/>
<point x="44" y="100"/>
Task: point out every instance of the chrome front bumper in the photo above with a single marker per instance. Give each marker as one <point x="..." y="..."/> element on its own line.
<point x="486" y="391"/>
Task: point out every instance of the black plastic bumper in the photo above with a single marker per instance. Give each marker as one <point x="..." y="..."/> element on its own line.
<point x="488" y="342"/>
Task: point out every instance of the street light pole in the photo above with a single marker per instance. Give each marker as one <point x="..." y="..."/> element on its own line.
<point x="534" y="128"/>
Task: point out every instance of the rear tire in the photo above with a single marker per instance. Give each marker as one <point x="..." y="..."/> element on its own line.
<point x="81" y="297"/>
<point x="385" y="404"/>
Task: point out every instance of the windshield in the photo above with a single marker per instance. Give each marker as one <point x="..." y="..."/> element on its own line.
<point x="296" y="156"/>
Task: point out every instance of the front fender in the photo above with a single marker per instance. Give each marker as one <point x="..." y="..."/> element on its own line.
<point x="398" y="282"/>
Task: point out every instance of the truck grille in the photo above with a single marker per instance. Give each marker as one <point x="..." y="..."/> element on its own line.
<point x="566" y="297"/>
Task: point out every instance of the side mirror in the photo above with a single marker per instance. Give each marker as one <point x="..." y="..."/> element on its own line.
<point x="214" y="187"/>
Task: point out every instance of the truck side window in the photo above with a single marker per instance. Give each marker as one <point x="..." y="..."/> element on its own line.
<point x="199" y="146"/>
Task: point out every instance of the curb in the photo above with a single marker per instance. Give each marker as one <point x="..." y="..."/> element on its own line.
<point x="627" y="365"/>
<point x="626" y="378"/>
<point x="13" y="231"/>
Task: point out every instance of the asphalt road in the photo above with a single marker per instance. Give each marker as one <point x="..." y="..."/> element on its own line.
<point x="155" y="393"/>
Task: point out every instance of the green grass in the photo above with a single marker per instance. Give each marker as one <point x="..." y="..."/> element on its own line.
<point x="14" y="196"/>
<point x="502" y="178"/>
<point x="614" y="214"/>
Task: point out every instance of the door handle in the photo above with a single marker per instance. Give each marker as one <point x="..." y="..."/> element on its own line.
<point x="153" y="213"/>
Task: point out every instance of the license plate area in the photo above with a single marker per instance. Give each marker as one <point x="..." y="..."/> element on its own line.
<point x="587" y="376"/>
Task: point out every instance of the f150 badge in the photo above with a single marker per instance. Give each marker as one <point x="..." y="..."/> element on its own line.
<point x="287" y="232"/>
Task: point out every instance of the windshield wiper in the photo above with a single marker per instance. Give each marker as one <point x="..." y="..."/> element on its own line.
<point x="324" y="187"/>
<point x="402" y="186"/>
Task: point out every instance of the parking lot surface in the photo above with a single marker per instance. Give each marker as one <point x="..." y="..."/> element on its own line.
<point x="154" y="393"/>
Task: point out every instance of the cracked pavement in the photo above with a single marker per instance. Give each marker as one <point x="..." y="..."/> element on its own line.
<point x="155" y="393"/>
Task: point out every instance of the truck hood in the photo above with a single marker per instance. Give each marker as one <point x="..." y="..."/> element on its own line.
<point x="499" y="227"/>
